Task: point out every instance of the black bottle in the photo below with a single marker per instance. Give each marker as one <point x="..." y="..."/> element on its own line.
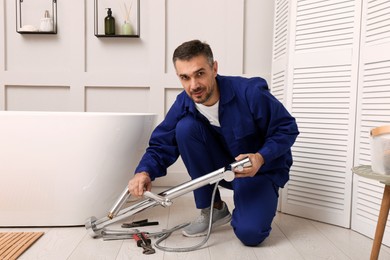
<point x="109" y="23"/>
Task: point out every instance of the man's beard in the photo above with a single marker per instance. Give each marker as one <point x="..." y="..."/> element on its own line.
<point x="203" y="99"/>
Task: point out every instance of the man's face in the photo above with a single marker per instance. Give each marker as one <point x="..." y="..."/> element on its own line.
<point x="198" y="79"/>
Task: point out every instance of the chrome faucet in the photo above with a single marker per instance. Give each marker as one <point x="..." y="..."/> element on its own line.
<point x="96" y="226"/>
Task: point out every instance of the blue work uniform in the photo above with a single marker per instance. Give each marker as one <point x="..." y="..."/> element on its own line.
<point x="251" y="120"/>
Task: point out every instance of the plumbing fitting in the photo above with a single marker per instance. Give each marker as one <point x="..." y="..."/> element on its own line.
<point x="96" y="227"/>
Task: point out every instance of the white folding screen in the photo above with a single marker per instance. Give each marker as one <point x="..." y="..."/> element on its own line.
<point x="321" y="90"/>
<point x="280" y="46"/>
<point x="373" y="110"/>
<point x="279" y="55"/>
<point x="333" y="73"/>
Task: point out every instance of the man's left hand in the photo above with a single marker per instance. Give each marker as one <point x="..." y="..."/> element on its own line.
<point x="257" y="161"/>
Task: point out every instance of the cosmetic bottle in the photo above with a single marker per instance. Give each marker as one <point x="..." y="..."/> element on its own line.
<point x="46" y="23"/>
<point x="109" y="23"/>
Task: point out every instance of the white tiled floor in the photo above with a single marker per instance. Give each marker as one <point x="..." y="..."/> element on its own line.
<point x="291" y="238"/>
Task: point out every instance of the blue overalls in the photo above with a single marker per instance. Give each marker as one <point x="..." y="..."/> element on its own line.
<point x="251" y="120"/>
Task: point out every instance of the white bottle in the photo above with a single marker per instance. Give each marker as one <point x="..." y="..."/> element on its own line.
<point x="46" y="23"/>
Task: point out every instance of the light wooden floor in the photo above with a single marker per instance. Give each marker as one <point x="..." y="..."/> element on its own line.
<point x="291" y="238"/>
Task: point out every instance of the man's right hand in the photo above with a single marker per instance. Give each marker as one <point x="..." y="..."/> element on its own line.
<point x="139" y="183"/>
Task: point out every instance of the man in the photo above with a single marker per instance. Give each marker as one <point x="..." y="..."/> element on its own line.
<point x="213" y="122"/>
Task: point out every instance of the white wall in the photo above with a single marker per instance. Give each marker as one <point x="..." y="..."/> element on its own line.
<point x="76" y="71"/>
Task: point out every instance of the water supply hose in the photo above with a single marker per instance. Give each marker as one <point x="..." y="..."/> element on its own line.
<point x="166" y="234"/>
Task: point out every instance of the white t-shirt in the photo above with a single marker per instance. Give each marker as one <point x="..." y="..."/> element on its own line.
<point x="210" y="112"/>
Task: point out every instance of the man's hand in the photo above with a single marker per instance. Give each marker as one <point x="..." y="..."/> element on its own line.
<point x="139" y="183"/>
<point x="257" y="161"/>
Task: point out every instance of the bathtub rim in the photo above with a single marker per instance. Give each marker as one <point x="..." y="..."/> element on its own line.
<point x="87" y="113"/>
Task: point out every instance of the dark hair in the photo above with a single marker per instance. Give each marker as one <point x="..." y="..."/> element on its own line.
<point x="190" y="49"/>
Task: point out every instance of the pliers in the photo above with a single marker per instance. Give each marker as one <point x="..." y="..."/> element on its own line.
<point x="144" y="242"/>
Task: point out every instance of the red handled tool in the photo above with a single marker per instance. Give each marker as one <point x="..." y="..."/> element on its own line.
<point x="144" y="242"/>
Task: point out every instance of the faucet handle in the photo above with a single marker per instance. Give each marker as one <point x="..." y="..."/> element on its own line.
<point x="165" y="202"/>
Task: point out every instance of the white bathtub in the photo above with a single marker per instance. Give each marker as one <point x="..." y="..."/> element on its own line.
<point x="60" y="168"/>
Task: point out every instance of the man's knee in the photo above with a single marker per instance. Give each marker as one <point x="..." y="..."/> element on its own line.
<point x="250" y="236"/>
<point x="186" y="127"/>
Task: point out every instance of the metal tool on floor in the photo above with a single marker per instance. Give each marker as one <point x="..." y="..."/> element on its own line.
<point x="115" y="234"/>
<point x="96" y="226"/>
<point x="140" y="223"/>
<point x="144" y="242"/>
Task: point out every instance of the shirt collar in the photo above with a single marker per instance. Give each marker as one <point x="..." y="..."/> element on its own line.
<point x="225" y="90"/>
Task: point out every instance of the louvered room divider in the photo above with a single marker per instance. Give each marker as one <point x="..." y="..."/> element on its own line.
<point x="331" y="68"/>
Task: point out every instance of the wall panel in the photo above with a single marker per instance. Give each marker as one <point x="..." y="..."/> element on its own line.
<point x="256" y="60"/>
<point x="37" y="98"/>
<point x="212" y="24"/>
<point x="116" y="99"/>
<point x="3" y="55"/>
